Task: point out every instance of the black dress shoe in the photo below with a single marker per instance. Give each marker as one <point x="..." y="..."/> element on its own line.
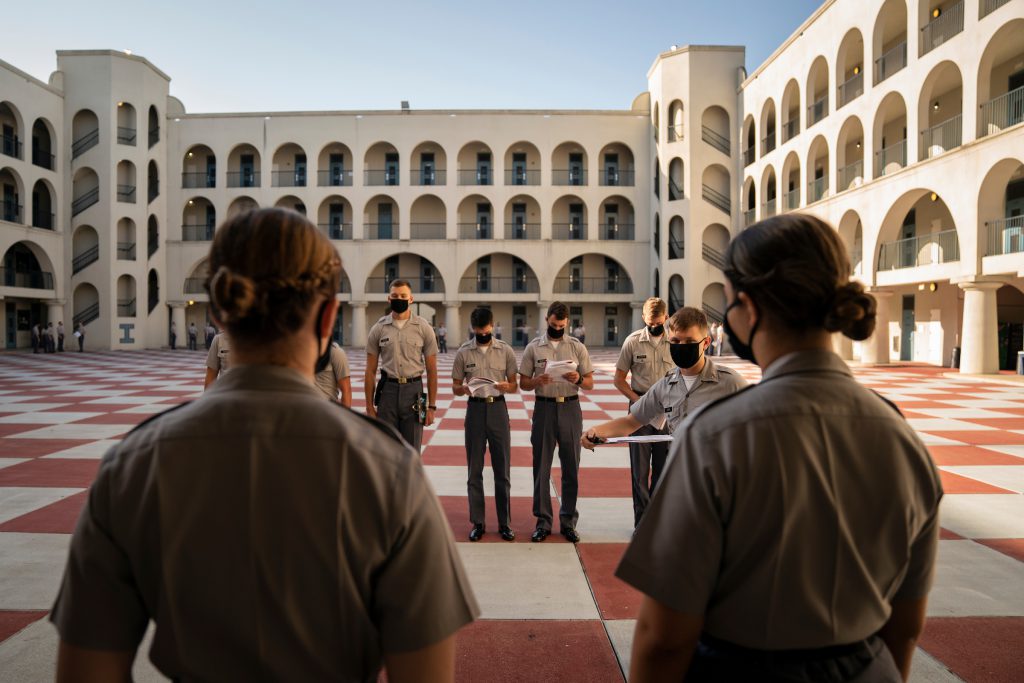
<point x="477" y="533"/>
<point x="539" y="535"/>
<point x="571" y="535"/>
<point x="506" y="533"/>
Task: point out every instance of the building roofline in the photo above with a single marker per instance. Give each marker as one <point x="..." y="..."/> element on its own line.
<point x="417" y="112"/>
<point x="113" y="53"/>
<point x="694" y="48"/>
<point x="30" y="78"/>
<point x="789" y="41"/>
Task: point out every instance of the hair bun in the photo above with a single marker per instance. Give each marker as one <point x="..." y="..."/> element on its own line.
<point x="852" y="312"/>
<point x="234" y="295"/>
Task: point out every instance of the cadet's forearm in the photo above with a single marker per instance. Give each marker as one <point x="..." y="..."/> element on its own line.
<point x="902" y="630"/>
<point x="588" y="382"/>
<point x="620" y="426"/>
<point x="527" y="383"/>
<point x="623" y="386"/>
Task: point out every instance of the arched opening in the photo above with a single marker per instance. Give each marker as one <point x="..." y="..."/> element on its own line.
<point x="12" y="130"/>
<point x="10" y="185"/>
<point x="890" y="135"/>
<point x="569" y="164"/>
<point x="1001" y="80"/>
<point x="335" y="166"/>
<point x="749" y="199"/>
<point x="85" y="190"/>
<point x="85" y="248"/>
<point x="817" y="91"/>
<point x="126" y="296"/>
<point x="715" y="240"/>
<point x="126" y="181"/>
<point x="1010" y="318"/>
<point x="817" y="170"/>
<point x="85" y="132"/>
<point x="1001" y="209"/>
<point x="852" y="233"/>
<point x="199" y="167"/>
<point x="889" y="42"/>
<point x="791" y="181"/>
<point x="380" y="165"/>
<point x="675" y="123"/>
<point x="768" y="126"/>
<point x="241" y="205"/>
<point x="714" y="128"/>
<point x="617" y="167"/>
<point x="593" y="274"/>
<point x="675" y="294"/>
<point x="676" y="181"/>
<point x="127" y="127"/>
<point x="85" y="304"/>
<point x="656" y="285"/>
<point x="522" y="218"/>
<point x="918" y="231"/>
<point x="940" y="111"/>
<point x="657" y="233"/>
<point x="420" y="272"/>
<point x="152" y="181"/>
<point x="790" y="111"/>
<point x="429" y="164"/>
<point x="43" y="206"/>
<point x="244" y="166"/>
<point x="715" y="187"/>
<point x="850" y="68"/>
<point x="499" y="273"/>
<point x="154" y="126"/>
<point x="522" y="164"/>
<point x="569" y="219"/>
<point x="713" y="302"/>
<point x="126" y="239"/>
<point x="292" y="203"/>
<point x="676" y="238"/>
<point x="289" y="166"/>
<point x="43" y="144"/>
<point x="850" y="154"/>
<point x="153" y="290"/>
<point x="380" y="218"/>
<point x="655" y="121"/>
<point x="476" y="164"/>
<point x="428" y="218"/>
<point x="749" y="141"/>
<point x="940" y="20"/>
<point x="25" y="265"/>
<point x="616" y="219"/>
<point x="195" y="282"/>
<point x="152" y="236"/>
<point x="769" y="189"/>
<point x="657" y="177"/>
<point x="476" y="218"/>
<point x="335" y="217"/>
<point x="199" y="219"/>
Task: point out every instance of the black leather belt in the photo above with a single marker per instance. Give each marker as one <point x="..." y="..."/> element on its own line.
<point x="486" y="399"/>
<point x="557" y="399"/>
<point x="403" y="380"/>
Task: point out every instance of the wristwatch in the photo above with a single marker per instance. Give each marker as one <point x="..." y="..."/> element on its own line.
<point x="431" y="407"/>
<point x="579" y="382"/>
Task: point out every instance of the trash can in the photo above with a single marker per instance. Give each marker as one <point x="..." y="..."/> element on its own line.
<point x="954" y="361"/>
<point x="1020" y="362"/>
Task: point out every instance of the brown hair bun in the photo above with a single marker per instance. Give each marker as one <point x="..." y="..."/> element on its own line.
<point x="234" y="295"/>
<point x="852" y="312"/>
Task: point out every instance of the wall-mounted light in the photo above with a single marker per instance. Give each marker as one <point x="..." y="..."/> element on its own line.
<point x="935" y="105"/>
<point x="191" y="202"/>
<point x="858" y="144"/>
<point x="191" y="302"/>
<point x="932" y="286"/>
<point x="856" y="70"/>
<point x="934" y="197"/>
<point x="120" y="104"/>
<point x="190" y="155"/>
<point x="936" y="12"/>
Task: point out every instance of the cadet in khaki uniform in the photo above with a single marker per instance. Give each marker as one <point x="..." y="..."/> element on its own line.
<point x="404" y="346"/>
<point x="794" y="532"/>
<point x="557" y="419"/>
<point x="645" y="359"/>
<point x="334" y="378"/>
<point x="256" y="564"/>
<point x="218" y="359"/>
<point x="487" y="420"/>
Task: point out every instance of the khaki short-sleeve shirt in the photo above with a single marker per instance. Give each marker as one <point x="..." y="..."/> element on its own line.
<point x="541" y="351"/>
<point x="645" y="359"/>
<point x="271" y="535"/>
<point x="670" y="399"/>
<point x="337" y="370"/>
<point x="402" y="351"/>
<point x="219" y="356"/>
<point x="792" y="514"/>
<point x="496" y="362"/>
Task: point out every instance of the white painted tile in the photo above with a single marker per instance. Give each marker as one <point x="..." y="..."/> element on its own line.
<point x="926" y="669"/>
<point x="620" y="633"/>
<point x="16" y="501"/>
<point x="1009" y="477"/>
<point x="972" y="580"/>
<point x="51" y="418"/>
<point x="605" y="520"/>
<point x="984" y="515"/>
<point x="7" y="462"/>
<point x="1017" y="450"/>
<point x="927" y="424"/>
<point x="76" y="431"/>
<point x="15" y="407"/>
<point x="450" y="480"/>
<point x="94" y="450"/>
<point x="32" y="566"/>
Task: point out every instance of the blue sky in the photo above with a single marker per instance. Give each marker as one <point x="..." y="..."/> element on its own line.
<point x="305" y="55"/>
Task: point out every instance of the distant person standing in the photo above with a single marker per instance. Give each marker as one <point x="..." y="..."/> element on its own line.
<point x="211" y="332"/>
<point x="51" y="338"/>
<point x="442" y="339"/>
<point x="581" y="333"/>
<point x="60" y="335"/>
<point x="332" y="378"/>
<point x="719" y="339"/>
<point x="37" y="338"/>
<point x="497" y="331"/>
<point x="174" y="336"/>
<point x="193" y="337"/>
<point x="80" y="333"/>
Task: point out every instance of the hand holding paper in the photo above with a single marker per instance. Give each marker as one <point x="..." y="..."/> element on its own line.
<point x="558" y="369"/>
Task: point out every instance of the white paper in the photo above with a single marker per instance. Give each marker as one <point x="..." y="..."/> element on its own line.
<point x="659" y="422"/>
<point x="652" y="438"/>
<point x="481" y="387"/>
<point x="558" y="369"/>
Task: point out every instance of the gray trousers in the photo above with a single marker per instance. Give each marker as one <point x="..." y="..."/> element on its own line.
<point x="556" y="424"/>
<point x="398" y="408"/>
<point x="646" y="463"/>
<point x="487" y="425"/>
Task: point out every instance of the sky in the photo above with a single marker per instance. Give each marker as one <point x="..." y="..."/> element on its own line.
<point x="294" y="55"/>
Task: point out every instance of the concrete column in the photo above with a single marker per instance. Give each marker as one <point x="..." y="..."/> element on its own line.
<point x="454" y="325"/>
<point x="842" y="345"/>
<point x="979" y="351"/>
<point x="542" y="317"/>
<point x="55" y="313"/>
<point x="638" y="315"/>
<point x="875" y="349"/>
<point x="358" y="323"/>
<point x="178" y="318"/>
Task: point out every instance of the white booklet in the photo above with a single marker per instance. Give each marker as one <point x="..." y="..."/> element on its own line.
<point x="558" y="369"/>
<point x="481" y="387"/>
<point x="651" y="438"/>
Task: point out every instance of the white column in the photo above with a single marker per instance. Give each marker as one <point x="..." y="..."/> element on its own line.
<point x="875" y="349"/>
<point x="178" y="318"/>
<point x="638" y="315"/>
<point x="542" y="317"/>
<point x="55" y="313"/>
<point x="454" y="325"/>
<point x="358" y="323"/>
<point x="842" y="345"/>
<point x="979" y="350"/>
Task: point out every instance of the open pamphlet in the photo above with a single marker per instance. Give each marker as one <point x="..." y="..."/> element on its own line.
<point x="651" y="438"/>
<point x="481" y="387"/>
<point x="558" y="369"/>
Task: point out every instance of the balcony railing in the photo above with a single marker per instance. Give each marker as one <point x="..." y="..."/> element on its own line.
<point x="1005" y="236"/>
<point x="476" y="231"/>
<point x="768" y="208"/>
<point x="892" y="61"/>
<point x="435" y="177"/>
<point x="82" y="260"/>
<point x="712" y="313"/>
<point x="195" y="285"/>
<point x="849" y="174"/>
<point x="10" y="146"/>
<point x="1002" y="112"/>
<point x="942" y="28"/>
<point x="676" y="248"/>
<point x="11" y="212"/>
<point x="294" y="178"/>
<point x="33" y="279"/>
<point x="572" y="176"/>
<point x="790" y="129"/>
<point x="126" y="308"/>
<point x="893" y="155"/>
<point x="923" y="250"/>
<point x="43" y="158"/>
<point x="674" y="191"/>
<point x="125" y="135"/>
<point x="817" y="110"/>
<point x="337" y="177"/>
<point x="198" y="179"/>
<point x="243" y="178"/>
<point x="749" y="217"/>
<point x="197" y="232"/>
<point x="86" y="315"/>
<point x="499" y="285"/>
<point x="616" y="231"/>
<point x="86" y="142"/>
<point x="126" y="193"/>
<point x="476" y="176"/>
<point x="941" y="137"/>
<point x="43" y="219"/>
<point x="126" y="251"/>
<point x="768" y="143"/>
<point x="522" y="231"/>
<point x="715" y="139"/>
<point x="990" y="6"/>
<point x="378" y="177"/>
<point x="152" y="241"/>
<point x="154" y="136"/>
<point x="568" y="231"/>
<point x="594" y="285"/>
<point x="380" y="231"/>
<point x="337" y="230"/>
<point x="851" y="89"/>
<point x="153" y="190"/>
<point x="713" y="256"/>
<point x="716" y="198"/>
<point x="748" y="156"/>
<point x="522" y="177"/>
<point x="675" y="133"/>
<point x="618" y="178"/>
<point x="792" y="199"/>
<point x="427" y="231"/>
<point x="817" y="189"/>
<point x="421" y="285"/>
<point x="80" y="204"/>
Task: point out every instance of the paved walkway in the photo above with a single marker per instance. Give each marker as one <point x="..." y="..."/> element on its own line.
<point x="550" y="611"/>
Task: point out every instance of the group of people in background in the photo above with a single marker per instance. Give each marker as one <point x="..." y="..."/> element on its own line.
<point x="192" y="333"/>
<point x="50" y="339"/>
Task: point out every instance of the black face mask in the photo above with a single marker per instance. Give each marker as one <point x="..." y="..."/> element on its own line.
<point x="686" y="355"/>
<point x="399" y="305"/>
<point x="555" y="334"/>
<point x="484" y="339"/>
<point x="325" y="358"/>
<point x="743" y="350"/>
<point x="656" y="330"/>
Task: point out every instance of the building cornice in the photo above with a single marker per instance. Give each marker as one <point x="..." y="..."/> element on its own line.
<point x="693" y="48"/>
<point x="114" y="53"/>
<point x="30" y="78"/>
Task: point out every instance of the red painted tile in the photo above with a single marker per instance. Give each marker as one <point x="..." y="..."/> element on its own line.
<point x="56" y="472"/>
<point x="56" y="518"/>
<point x="615" y="598"/>
<point x="953" y="456"/>
<point x="988" y="437"/>
<point x="977" y="648"/>
<point x="12" y="429"/>
<point x="12" y="447"/>
<point x="955" y="483"/>
<point x="114" y="419"/>
<point x="456" y="509"/>
<point x="599" y="482"/>
<point x="947" y="535"/>
<point x="1000" y="422"/>
<point x="12" y="621"/>
<point x="1014" y="547"/>
<point x="513" y="651"/>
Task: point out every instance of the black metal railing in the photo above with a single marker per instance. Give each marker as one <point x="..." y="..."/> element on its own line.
<point x="126" y="251"/>
<point x="90" y="255"/>
<point x="1001" y="112"/>
<point x="125" y="135"/>
<point x="676" y="248"/>
<point x="790" y="129"/>
<point x="941" y="137"/>
<point x="715" y="198"/>
<point x="427" y="231"/>
<point x="522" y="231"/>
<point x="293" y="178"/>
<point x="749" y="217"/>
<point x="476" y="176"/>
<point x="522" y="177"/>
<point x="923" y="250"/>
<point x="428" y="178"/>
<point x="712" y="313"/>
<point x="86" y="142"/>
<point x="421" y="285"/>
<point x="817" y="110"/>
<point x="152" y="242"/>
<point x="674" y="191"/>
<point x="675" y="132"/>
<point x="942" y="28"/>
<point x="850" y="89"/>
<point x="29" y="279"/>
<point x="11" y="212"/>
<point x="894" y="59"/>
<point x="572" y="176"/>
<point x="126" y="308"/>
<point x="499" y="285"/>
<point x="154" y="136"/>
<point x="197" y="232"/>
<point x="43" y="158"/>
<point x="594" y="285"/>
<point x="86" y="315"/>
<point x="476" y="231"/>
<point x="1005" y="236"/>
<point x="620" y="178"/>
<point x="375" y="177"/>
<point x="568" y="231"/>
<point x="380" y="231"/>
<point x="989" y="6"/>
<point x="126" y="193"/>
<point x="748" y="156"/>
<point x="715" y="139"/>
<point x="713" y="256"/>
<point x="335" y="177"/>
<point x="10" y="146"/>
<point x="80" y="204"/>
<point x="153" y="191"/>
<point x="337" y="230"/>
<point x="198" y="179"/>
<point x="617" y="231"/>
<point x="768" y="143"/>
<point x="43" y="219"/>
<point x="195" y="285"/>
<point x="243" y="178"/>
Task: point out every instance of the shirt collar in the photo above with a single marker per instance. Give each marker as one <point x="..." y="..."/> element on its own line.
<point x="263" y="378"/>
<point x="807" y="361"/>
<point x="390" y="320"/>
